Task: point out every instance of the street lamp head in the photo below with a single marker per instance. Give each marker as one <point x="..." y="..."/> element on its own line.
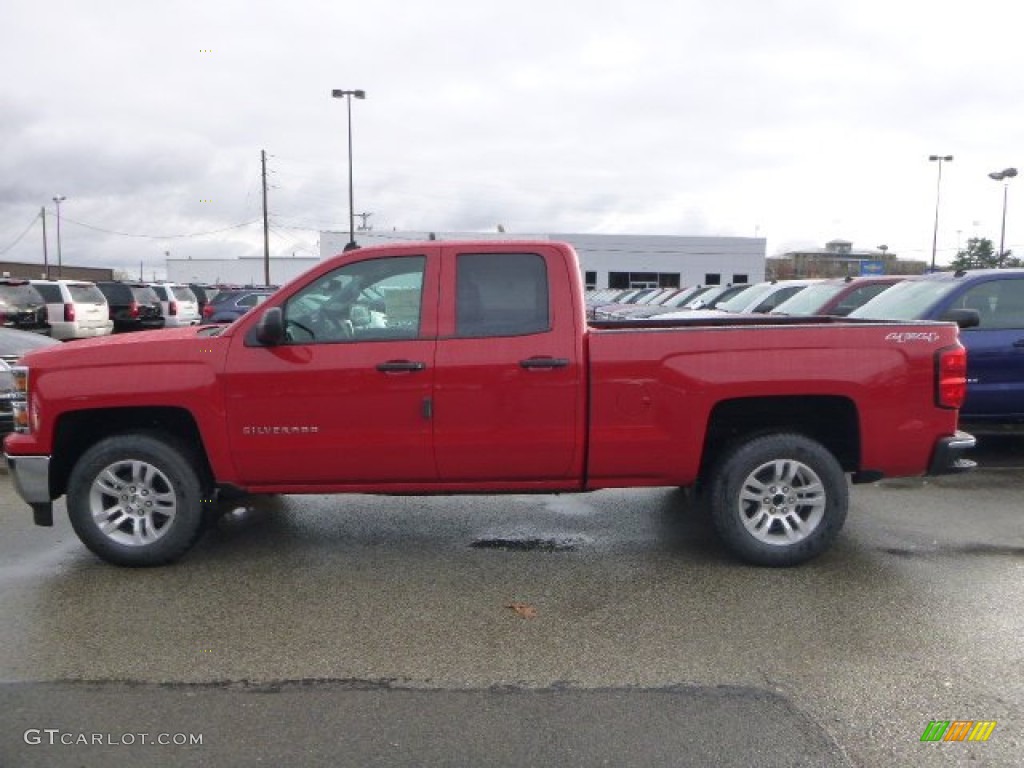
<point x="947" y="158"/>
<point x="1006" y="173"/>
<point x="59" y="199"/>
<point x="337" y="93"/>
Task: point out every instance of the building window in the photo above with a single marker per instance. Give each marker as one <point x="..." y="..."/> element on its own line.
<point x="619" y="280"/>
<point x="643" y="279"/>
<point x="590" y="280"/>
<point x="668" y="279"/>
<point x="713" y="278"/>
<point x="737" y="279"/>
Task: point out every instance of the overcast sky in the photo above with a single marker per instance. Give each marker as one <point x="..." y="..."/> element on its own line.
<point x="799" y="121"/>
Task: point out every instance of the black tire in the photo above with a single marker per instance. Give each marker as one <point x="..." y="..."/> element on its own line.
<point x="778" y="500"/>
<point x="135" y="499"/>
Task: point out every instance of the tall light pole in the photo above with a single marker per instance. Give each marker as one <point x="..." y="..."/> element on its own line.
<point x="58" y="199"/>
<point x="1003" y="176"/>
<point x="347" y="95"/>
<point x="938" y="187"/>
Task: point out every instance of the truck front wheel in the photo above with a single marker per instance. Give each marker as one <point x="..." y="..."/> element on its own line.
<point x="135" y="499"/>
<point x="778" y="500"/>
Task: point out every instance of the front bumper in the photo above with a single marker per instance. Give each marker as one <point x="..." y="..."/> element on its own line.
<point x="948" y="457"/>
<point x="31" y="477"/>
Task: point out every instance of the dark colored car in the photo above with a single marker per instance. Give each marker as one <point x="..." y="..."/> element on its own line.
<point x="988" y="304"/>
<point x="14" y="344"/>
<point x="22" y="307"/>
<point x="229" y="305"/>
<point x="204" y="295"/>
<point x="133" y="306"/>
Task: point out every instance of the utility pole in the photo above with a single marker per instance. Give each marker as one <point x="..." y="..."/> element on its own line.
<point x="46" y="258"/>
<point x="266" y="226"/>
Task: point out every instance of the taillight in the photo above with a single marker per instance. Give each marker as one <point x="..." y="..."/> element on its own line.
<point x="133" y="309"/>
<point x="951" y="377"/>
<point x="69" y="313"/>
<point x="207" y="310"/>
<point x="172" y="308"/>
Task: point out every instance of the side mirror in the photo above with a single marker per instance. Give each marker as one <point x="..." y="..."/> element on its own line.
<point x="270" y="328"/>
<point x="965" y="318"/>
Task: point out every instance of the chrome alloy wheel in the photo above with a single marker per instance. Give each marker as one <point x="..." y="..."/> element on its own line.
<point x="132" y="503"/>
<point x="782" y="502"/>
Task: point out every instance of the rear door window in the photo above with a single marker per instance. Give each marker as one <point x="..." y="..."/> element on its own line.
<point x="502" y="294"/>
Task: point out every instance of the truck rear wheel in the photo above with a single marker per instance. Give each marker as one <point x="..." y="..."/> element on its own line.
<point x="135" y="499"/>
<point x="778" y="500"/>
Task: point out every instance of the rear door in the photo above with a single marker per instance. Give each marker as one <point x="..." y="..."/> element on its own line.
<point x="508" y="397"/>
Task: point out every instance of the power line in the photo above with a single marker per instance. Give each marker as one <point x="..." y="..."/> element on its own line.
<point x="161" y="237"/>
<point x="22" y="235"/>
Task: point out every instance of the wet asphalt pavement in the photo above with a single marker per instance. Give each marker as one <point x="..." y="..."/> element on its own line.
<point x="609" y="628"/>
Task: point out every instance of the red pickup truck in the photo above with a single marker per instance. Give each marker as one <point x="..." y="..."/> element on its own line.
<point x="470" y="367"/>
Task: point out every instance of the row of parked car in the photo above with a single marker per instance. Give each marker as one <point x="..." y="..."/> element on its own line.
<point x="837" y="296"/>
<point x="77" y="309"/>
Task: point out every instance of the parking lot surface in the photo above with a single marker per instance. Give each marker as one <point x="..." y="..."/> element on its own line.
<point x="576" y="630"/>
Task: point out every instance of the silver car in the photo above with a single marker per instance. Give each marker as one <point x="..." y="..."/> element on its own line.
<point x="76" y="309"/>
<point x="179" y="305"/>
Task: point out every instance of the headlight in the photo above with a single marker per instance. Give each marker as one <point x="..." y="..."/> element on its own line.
<point x="20" y="374"/>
<point x="19" y="400"/>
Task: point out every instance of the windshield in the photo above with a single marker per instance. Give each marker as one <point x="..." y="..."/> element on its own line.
<point x="713" y="300"/>
<point x="808" y="301"/>
<point x="905" y="301"/>
<point x="689" y="294"/>
<point x="745" y="298"/>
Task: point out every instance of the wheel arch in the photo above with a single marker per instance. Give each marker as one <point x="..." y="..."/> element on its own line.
<point x="830" y="420"/>
<point x="77" y="431"/>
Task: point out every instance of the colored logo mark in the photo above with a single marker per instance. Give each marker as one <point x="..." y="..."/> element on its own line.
<point x="958" y="730"/>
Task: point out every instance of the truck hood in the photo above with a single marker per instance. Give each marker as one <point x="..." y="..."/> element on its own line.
<point x="169" y="346"/>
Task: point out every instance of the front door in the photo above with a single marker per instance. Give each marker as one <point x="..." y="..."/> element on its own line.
<point x="346" y="400"/>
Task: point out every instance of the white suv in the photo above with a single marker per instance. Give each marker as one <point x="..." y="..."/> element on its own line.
<point x="178" y="303"/>
<point x="76" y="309"/>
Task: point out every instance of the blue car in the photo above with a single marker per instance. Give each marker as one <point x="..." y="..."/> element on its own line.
<point x="229" y="305"/>
<point x="988" y="304"/>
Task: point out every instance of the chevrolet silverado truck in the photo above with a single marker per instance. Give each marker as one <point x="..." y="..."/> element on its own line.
<point x="468" y="368"/>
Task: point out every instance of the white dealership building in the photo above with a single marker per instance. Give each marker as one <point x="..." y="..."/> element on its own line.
<point x="607" y="261"/>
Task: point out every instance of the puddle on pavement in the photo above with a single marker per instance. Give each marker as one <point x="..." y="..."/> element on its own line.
<point x="531" y="543"/>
